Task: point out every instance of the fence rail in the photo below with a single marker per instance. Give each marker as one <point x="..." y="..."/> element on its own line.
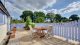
<point x="70" y="30"/>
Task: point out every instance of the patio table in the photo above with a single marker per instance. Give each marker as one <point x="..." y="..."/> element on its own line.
<point x="40" y="31"/>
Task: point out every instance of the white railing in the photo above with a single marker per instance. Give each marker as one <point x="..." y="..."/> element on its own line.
<point x="67" y="31"/>
<point x="70" y="30"/>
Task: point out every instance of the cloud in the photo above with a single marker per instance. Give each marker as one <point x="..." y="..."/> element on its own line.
<point x="13" y="10"/>
<point x="32" y="4"/>
<point x="75" y="6"/>
<point x="71" y="7"/>
<point x="53" y="11"/>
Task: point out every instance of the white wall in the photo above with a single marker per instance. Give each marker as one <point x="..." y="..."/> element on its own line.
<point x="3" y="31"/>
<point x="3" y="26"/>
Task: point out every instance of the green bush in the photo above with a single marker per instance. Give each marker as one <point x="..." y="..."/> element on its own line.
<point x="40" y="20"/>
<point x="29" y="22"/>
<point x="33" y="25"/>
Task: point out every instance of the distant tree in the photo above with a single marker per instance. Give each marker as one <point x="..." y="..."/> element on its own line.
<point x="50" y="16"/>
<point x="57" y="18"/>
<point x="25" y="14"/>
<point x="16" y="21"/>
<point x="64" y="19"/>
<point x="73" y="17"/>
<point x="40" y="20"/>
<point x="38" y="16"/>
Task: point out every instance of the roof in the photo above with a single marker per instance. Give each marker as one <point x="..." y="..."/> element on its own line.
<point x="3" y="9"/>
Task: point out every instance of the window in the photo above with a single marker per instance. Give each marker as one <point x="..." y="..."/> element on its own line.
<point x="1" y="17"/>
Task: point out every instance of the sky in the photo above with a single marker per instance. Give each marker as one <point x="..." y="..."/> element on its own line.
<point x="63" y="7"/>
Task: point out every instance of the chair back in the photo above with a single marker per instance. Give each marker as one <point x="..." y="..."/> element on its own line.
<point x="50" y="28"/>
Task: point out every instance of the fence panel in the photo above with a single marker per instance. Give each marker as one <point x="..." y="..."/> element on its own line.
<point x="68" y="30"/>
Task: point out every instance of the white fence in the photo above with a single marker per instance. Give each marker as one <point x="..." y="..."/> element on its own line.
<point x="70" y="31"/>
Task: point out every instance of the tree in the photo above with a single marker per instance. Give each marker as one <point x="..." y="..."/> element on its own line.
<point x="64" y="19"/>
<point x="25" y="14"/>
<point x="16" y="21"/>
<point x="50" y="16"/>
<point x="40" y="20"/>
<point x="73" y="17"/>
<point x="38" y="16"/>
<point x="57" y="18"/>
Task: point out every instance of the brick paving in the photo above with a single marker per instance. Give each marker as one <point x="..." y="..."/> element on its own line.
<point x="24" y="38"/>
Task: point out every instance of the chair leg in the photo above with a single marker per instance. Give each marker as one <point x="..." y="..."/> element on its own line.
<point x="48" y="36"/>
<point x="32" y="35"/>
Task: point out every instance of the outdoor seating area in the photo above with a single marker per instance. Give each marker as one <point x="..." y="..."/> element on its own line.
<point x="40" y="31"/>
<point x="23" y="37"/>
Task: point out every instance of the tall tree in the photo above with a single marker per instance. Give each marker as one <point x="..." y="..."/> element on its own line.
<point x="39" y="15"/>
<point x="50" y="16"/>
<point x="74" y="17"/>
<point x="25" y="14"/>
<point x="64" y="19"/>
<point x="40" y="20"/>
<point x="57" y="18"/>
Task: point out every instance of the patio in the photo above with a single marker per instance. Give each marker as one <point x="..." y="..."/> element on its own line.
<point x="24" y="38"/>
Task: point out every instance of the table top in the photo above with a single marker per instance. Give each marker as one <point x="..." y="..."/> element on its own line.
<point x="40" y="28"/>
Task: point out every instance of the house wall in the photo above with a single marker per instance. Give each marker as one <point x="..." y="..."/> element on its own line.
<point x="3" y="26"/>
<point x="3" y="31"/>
